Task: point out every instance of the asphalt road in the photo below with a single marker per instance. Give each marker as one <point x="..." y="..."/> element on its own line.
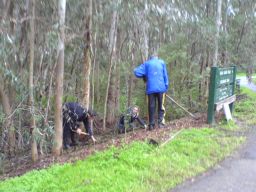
<point x="244" y="82"/>
<point x="235" y="174"/>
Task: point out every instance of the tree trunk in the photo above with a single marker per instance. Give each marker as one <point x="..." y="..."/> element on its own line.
<point x="207" y="64"/>
<point x="114" y="88"/>
<point x="241" y="36"/>
<point x="131" y="77"/>
<point x="34" y="152"/>
<point x="93" y="71"/>
<point x="59" y="81"/>
<point x="111" y="92"/>
<point x="5" y="96"/>
<point x="203" y="63"/>
<point x="145" y="28"/>
<point x="225" y="23"/>
<point x="8" y="123"/>
<point x="97" y="86"/>
<point x="218" y="23"/>
<point x="87" y="55"/>
<point x="98" y="44"/>
<point x="118" y="71"/>
<point x="112" y="47"/>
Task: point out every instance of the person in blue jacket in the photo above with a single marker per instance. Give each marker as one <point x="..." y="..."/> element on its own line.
<point x="154" y="72"/>
<point x="73" y="113"/>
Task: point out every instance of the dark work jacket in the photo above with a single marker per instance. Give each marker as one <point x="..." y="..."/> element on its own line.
<point x="127" y="120"/>
<point x="77" y="113"/>
<point x="133" y="118"/>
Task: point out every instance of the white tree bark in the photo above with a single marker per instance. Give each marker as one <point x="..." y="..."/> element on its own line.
<point x="218" y="23"/>
<point x="34" y="151"/>
<point x="59" y="81"/>
<point x="112" y="47"/>
<point x="8" y="123"/>
<point x="87" y="55"/>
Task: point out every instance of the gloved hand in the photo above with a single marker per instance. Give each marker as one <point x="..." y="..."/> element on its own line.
<point x="79" y="131"/>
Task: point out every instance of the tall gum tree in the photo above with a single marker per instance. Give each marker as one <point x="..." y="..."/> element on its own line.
<point x="34" y="152"/>
<point x="8" y="123"/>
<point x="87" y="54"/>
<point x="218" y="23"/>
<point x="5" y="96"/>
<point x="59" y="81"/>
<point x="112" y="51"/>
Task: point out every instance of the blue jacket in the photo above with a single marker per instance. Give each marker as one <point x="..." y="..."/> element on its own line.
<point x="154" y="70"/>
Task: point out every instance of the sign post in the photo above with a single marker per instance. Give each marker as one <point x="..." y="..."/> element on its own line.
<point x="221" y="92"/>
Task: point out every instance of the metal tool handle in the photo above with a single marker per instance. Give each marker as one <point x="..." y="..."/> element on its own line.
<point x="181" y="106"/>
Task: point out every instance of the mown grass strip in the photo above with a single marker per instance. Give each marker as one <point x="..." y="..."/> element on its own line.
<point x="136" y="167"/>
<point x="240" y="74"/>
<point x="246" y="110"/>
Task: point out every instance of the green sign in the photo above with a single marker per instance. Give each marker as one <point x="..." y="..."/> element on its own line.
<point x="223" y="92"/>
<point x="222" y="86"/>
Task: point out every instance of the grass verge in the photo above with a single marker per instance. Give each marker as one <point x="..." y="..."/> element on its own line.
<point x="246" y="110"/>
<point x="240" y="74"/>
<point x="140" y="166"/>
<point x="136" y="167"/>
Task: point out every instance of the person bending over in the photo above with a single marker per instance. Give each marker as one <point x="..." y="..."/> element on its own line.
<point x="128" y="120"/>
<point x="73" y="114"/>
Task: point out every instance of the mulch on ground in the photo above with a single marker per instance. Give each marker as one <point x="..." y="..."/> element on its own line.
<point x="21" y="164"/>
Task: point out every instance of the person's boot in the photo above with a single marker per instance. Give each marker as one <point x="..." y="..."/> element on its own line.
<point x="67" y="146"/>
<point x="161" y="125"/>
<point x="73" y="144"/>
<point x="150" y="127"/>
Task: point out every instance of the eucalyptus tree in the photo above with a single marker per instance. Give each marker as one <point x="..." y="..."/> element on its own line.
<point x="59" y="80"/>
<point x="31" y="83"/>
<point x="7" y="89"/>
<point x="109" y="97"/>
<point x="218" y="23"/>
<point x="87" y="54"/>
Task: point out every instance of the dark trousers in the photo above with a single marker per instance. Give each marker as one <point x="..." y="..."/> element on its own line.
<point x="152" y="99"/>
<point x="68" y="134"/>
<point x="121" y="124"/>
